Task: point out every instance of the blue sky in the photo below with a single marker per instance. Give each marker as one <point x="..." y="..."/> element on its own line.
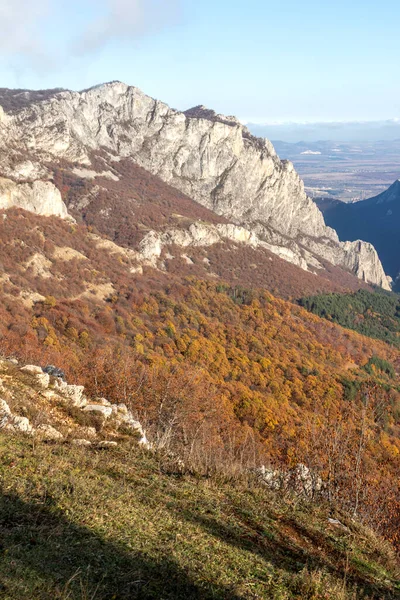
<point x="260" y="60"/>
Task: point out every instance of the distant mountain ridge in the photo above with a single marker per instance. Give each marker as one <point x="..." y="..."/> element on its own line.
<point x="375" y="219"/>
<point x="351" y="131"/>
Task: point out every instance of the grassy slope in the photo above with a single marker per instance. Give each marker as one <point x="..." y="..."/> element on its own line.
<point x="79" y="524"/>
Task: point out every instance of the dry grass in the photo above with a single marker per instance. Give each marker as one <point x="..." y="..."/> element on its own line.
<point x="89" y="524"/>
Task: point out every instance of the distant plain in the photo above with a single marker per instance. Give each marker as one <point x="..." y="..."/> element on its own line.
<point x="346" y="171"/>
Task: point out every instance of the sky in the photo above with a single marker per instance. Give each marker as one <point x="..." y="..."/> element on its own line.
<point x="261" y="60"/>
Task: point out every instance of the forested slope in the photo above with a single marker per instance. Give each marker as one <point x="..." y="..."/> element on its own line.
<point x="230" y="376"/>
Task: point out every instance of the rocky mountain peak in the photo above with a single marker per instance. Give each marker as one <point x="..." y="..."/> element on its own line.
<point x="210" y="158"/>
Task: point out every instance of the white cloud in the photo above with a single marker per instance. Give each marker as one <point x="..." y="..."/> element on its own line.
<point x="127" y="20"/>
<point x="20" y="28"/>
<point x="25" y="23"/>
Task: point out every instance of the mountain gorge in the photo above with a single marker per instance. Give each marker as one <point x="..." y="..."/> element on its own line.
<point x="376" y="219"/>
<point x="212" y="159"/>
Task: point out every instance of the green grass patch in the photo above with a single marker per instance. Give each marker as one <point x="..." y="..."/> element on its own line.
<point x="88" y="524"/>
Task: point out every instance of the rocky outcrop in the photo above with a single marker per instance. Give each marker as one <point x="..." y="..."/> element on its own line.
<point x="203" y="235"/>
<point x="40" y="197"/>
<point x="102" y="411"/>
<point x="118" y="419"/>
<point x="357" y="257"/>
<point x="73" y="393"/>
<point x="301" y="479"/>
<point x="211" y="158"/>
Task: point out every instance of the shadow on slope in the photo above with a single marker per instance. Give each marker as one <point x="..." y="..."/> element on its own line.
<point x="44" y="555"/>
<point x="293" y="546"/>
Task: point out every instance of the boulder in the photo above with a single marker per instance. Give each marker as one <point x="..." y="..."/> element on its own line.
<point x="107" y="444"/>
<point x="81" y="442"/>
<point x="5" y="413"/>
<point x="88" y="431"/>
<point x="43" y="380"/>
<point x="103" y="401"/>
<point x="104" y="411"/>
<point x="47" y="432"/>
<point x="32" y="369"/>
<point x="20" y="424"/>
<point x="4" y="408"/>
<point x="272" y="478"/>
<point x="73" y="393"/>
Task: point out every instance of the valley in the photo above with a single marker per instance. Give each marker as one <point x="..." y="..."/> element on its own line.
<point x="345" y="171"/>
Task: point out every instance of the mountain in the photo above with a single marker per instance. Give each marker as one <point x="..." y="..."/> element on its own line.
<point x="376" y="219"/>
<point x="170" y="420"/>
<point x="215" y="161"/>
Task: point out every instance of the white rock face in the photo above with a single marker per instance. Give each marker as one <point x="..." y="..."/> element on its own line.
<point x="40" y="197"/>
<point x="212" y="158"/>
<point x="357" y="257"/>
<point x="73" y="393"/>
<point x="204" y="235"/>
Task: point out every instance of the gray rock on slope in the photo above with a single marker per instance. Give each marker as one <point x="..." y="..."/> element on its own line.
<point x="212" y="158"/>
<point x="40" y="197"/>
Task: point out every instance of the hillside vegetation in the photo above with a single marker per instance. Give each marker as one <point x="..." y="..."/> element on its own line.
<point x="374" y="314"/>
<point x="134" y="202"/>
<point x="90" y="524"/>
<point x="225" y="376"/>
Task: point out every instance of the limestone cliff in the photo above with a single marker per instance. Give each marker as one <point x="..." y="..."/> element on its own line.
<point x="40" y="197"/>
<point x="211" y="158"/>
